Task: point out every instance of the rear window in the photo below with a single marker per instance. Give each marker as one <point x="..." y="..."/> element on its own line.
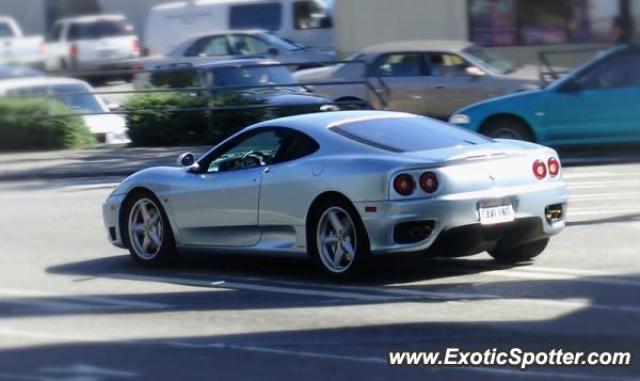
<point x="256" y="16"/>
<point x="99" y="29"/>
<point x="5" y="30"/>
<point x="409" y="134"/>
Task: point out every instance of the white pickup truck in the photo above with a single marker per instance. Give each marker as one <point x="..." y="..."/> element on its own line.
<point x="18" y="49"/>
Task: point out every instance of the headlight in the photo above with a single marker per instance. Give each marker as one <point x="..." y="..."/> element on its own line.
<point x="459" y="119"/>
<point x="329" y="108"/>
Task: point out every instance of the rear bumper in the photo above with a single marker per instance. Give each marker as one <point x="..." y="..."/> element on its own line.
<point x="456" y="224"/>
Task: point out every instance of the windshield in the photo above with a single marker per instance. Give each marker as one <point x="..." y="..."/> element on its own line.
<point x="5" y="30"/>
<point x="252" y="76"/>
<point x="409" y="134"/>
<point x="491" y="60"/>
<point x="67" y="94"/>
<point x="283" y="43"/>
<point x="99" y="29"/>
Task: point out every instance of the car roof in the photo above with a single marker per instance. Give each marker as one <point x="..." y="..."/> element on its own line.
<point x="418" y="45"/>
<point x="316" y="124"/>
<point x="237" y="62"/>
<point x="17" y="83"/>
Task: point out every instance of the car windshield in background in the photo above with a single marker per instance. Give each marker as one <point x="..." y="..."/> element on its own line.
<point x="252" y="76"/>
<point x="491" y="60"/>
<point x="409" y="134"/>
<point x="99" y="29"/>
<point x="5" y="30"/>
<point x="283" y="43"/>
<point x="70" y="95"/>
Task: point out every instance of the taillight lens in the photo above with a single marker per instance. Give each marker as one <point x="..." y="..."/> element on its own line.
<point x="539" y="169"/>
<point x="429" y="182"/>
<point x="404" y="184"/>
<point x="554" y="166"/>
<point x="136" y="46"/>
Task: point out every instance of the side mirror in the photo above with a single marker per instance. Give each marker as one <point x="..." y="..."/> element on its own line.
<point x="474" y="72"/>
<point x="186" y="159"/>
<point x="273" y="51"/>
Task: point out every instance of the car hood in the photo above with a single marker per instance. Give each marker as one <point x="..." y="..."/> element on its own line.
<point x="504" y="102"/>
<point x="315" y="74"/>
<point x="525" y="72"/>
<point x="287" y="98"/>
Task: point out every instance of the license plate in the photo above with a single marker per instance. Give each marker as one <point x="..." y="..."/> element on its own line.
<point x="496" y="214"/>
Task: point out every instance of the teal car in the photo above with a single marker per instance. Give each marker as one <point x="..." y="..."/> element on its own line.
<point x="597" y="103"/>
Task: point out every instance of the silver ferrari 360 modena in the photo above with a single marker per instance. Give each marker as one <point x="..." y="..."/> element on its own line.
<point x="342" y="187"/>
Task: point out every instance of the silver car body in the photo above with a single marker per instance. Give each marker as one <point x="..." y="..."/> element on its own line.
<point x="433" y="93"/>
<point x="265" y="209"/>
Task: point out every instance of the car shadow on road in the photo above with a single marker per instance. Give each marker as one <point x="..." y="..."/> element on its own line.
<point x="293" y="283"/>
<point x="633" y="217"/>
<point x="585" y="313"/>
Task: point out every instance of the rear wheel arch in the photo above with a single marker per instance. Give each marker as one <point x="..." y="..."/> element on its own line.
<point x="518" y="121"/>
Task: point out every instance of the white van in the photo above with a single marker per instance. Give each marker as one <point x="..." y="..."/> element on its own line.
<point x="307" y="22"/>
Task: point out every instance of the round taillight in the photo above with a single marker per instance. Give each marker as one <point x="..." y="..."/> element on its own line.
<point x="404" y="184"/>
<point x="554" y="166"/>
<point x="539" y="169"/>
<point x="429" y="182"/>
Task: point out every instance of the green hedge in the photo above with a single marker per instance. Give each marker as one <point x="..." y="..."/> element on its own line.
<point x="166" y="119"/>
<point x="24" y="125"/>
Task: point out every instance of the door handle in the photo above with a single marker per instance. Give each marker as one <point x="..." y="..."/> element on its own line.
<point x="266" y="170"/>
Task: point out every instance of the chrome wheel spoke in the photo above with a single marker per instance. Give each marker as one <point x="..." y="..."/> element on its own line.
<point x="338" y="253"/>
<point x="155" y="238"/>
<point x="346" y="245"/>
<point x="336" y="240"/>
<point x="145" y="229"/>
<point x="335" y="221"/>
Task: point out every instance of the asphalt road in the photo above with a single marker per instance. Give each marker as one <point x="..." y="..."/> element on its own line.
<point x="72" y="307"/>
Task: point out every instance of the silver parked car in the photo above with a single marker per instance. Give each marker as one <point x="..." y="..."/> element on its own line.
<point x="341" y="186"/>
<point x="239" y="44"/>
<point x="428" y="77"/>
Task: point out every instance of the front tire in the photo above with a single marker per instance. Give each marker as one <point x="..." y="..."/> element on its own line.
<point x="508" y="128"/>
<point x="146" y="231"/>
<point x="337" y="240"/>
<point x="521" y="253"/>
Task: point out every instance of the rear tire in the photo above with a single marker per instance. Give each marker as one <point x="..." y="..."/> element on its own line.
<point x="508" y="128"/>
<point x="521" y="253"/>
<point x="337" y="239"/>
<point x="146" y="231"/>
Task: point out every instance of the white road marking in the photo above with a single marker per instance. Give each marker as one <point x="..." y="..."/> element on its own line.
<point x="605" y="196"/>
<point x="603" y="184"/>
<point x="67" y="302"/>
<point x="91" y="186"/>
<point x="582" y="175"/>
<point x="365" y="293"/>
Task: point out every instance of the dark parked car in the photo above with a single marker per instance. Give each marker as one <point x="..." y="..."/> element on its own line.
<point x="246" y="82"/>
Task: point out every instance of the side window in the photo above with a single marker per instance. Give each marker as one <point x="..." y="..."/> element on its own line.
<point x="5" y="30"/>
<point x="446" y="65"/>
<point x="311" y="14"/>
<point x="620" y="71"/>
<point x="208" y="47"/>
<point x="298" y="145"/>
<point x="243" y="44"/>
<point x="254" y="149"/>
<point x="55" y="33"/>
<point x="400" y="65"/>
<point x="256" y="16"/>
